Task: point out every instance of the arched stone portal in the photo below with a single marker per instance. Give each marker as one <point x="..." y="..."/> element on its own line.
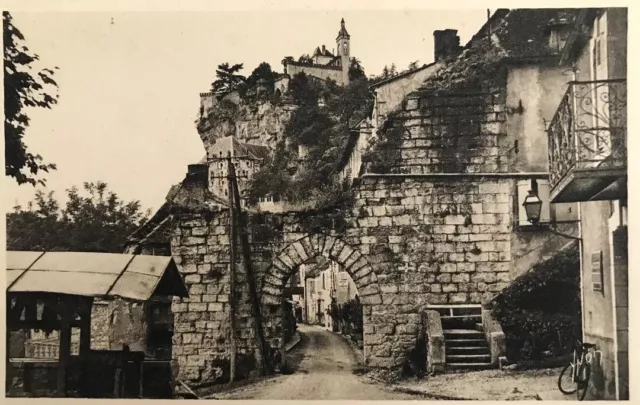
<point x="301" y="251"/>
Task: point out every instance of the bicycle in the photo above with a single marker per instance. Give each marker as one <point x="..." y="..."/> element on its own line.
<point x="579" y="372"/>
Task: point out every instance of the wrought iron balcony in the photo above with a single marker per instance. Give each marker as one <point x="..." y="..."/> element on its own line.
<point x="588" y="142"/>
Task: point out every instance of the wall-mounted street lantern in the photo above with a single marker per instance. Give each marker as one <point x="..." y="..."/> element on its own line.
<point x="533" y="206"/>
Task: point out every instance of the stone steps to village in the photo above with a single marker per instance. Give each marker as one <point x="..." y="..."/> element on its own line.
<point x="466" y="347"/>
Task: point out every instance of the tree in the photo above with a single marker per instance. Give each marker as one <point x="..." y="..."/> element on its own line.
<point x="305" y="59"/>
<point x="263" y="71"/>
<point x="356" y="71"/>
<point x="304" y="89"/>
<point x="413" y="65"/>
<point x="393" y="70"/>
<point x="228" y="79"/>
<point x="22" y="89"/>
<point x="94" y="221"/>
<point x="385" y="72"/>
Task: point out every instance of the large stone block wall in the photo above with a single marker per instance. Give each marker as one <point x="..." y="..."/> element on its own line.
<point x="437" y="242"/>
<point x="442" y="235"/>
<point x="458" y="133"/>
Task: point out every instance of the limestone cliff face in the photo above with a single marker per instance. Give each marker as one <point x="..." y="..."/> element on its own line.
<point x="255" y="122"/>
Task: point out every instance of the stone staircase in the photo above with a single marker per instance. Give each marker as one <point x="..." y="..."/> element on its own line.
<point x="466" y="347"/>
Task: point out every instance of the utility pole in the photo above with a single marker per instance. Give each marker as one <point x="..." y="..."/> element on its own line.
<point x="246" y="260"/>
<point x="232" y="272"/>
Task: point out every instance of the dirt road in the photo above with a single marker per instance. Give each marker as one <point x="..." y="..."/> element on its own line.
<point x="322" y="364"/>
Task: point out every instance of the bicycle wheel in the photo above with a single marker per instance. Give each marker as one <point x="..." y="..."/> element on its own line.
<point x="584" y="372"/>
<point x="566" y="384"/>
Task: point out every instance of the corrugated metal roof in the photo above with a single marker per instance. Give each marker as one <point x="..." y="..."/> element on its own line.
<point x="105" y="275"/>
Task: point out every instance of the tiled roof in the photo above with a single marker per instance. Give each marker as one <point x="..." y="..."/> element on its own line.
<point x="518" y="35"/>
<point x="524" y="32"/>
<point x="400" y="76"/>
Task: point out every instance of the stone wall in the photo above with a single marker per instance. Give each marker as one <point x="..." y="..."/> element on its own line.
<point x="390" y="94"/>
<point x="439" y="231"/>
<point x="442" y="241"/>
<point x="458" y="133"/>
<point x="321" y="72"/>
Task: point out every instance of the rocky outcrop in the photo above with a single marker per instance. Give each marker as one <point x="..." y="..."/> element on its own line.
<point x="258" y="122"/>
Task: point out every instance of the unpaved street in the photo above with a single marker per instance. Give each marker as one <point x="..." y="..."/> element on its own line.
<point x="323" y="365"/>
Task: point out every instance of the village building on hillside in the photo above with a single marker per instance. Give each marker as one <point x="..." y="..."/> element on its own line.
<point x="246" y="158"/>
<point x="587" y="144"/>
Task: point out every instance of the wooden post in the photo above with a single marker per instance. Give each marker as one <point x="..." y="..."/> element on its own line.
<point x="84" y="347"/>
<point x="253" y="292"/>
<point x="85" y="328"/>
<point x="64" y="352"/>
<point x="232" y="272"/>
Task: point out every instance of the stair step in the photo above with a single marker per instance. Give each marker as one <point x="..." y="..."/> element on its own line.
<point x="475" y="366"/>
<point x="444" y="317"/>
<point x="467" y="356"/>
<point x="461" y="344"/>
<point x="479" y="327"/>
<point x="471" y="332"/>
<point x="466" y="349"/>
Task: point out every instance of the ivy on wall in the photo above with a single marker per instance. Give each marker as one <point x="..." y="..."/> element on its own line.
<point x="305" y="164"/>
<point x="540" y="311"/>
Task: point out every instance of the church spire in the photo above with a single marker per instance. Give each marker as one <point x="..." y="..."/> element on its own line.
<point x="343" y="31"/>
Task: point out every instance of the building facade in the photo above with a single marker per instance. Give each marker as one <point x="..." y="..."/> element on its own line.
<point x="246" y="158"/>
<point x="588" y="165"/>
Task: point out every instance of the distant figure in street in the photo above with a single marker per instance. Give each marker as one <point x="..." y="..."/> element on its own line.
<point x="298" y="313"/>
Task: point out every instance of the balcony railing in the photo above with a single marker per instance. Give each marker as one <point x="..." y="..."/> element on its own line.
<point x="587" y="137"/>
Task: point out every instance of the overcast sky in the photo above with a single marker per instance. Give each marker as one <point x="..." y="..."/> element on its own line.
<point x="130" y="82"/>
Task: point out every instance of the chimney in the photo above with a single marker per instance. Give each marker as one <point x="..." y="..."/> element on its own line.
<point x="197" y="175"/>
<point x="446" y="44"/>
<point x="323" y="49"/>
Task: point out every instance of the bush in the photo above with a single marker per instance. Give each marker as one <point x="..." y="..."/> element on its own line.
<point x="540" y="311"/>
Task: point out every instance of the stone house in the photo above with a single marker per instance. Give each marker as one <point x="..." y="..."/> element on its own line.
<point x="587" y="135"/>
<point x="246" y="158"/>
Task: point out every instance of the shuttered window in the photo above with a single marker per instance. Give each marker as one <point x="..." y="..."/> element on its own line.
<point x="596" y="272"/>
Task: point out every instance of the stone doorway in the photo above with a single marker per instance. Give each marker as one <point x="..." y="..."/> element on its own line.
<point x="299" y="253"/>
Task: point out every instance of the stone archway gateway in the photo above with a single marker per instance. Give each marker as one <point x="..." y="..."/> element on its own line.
<point x="300" y="252"/>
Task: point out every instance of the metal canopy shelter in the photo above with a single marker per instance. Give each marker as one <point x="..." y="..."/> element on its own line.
<point x="99" y="275"/>
<point x="66" y="283"/>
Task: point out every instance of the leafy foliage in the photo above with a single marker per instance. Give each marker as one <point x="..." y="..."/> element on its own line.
<point x="94" y="221"/>
<point x="477" y="68"/>
<point x="228" y="79"/>
<point x="384" y="151"/>
<point x="356" y="71"/>
<point x="322" y="132"/>
<point x="23" y="89"/>
<point x="305" y="59"/>
<point x="540" y="311"/>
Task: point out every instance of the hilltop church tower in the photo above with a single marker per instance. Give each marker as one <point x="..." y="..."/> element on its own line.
<point x="343" y="51"/>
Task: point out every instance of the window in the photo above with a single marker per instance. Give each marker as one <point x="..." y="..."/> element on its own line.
<point x="596" y="272"/>
<point x="543" y="193"/>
